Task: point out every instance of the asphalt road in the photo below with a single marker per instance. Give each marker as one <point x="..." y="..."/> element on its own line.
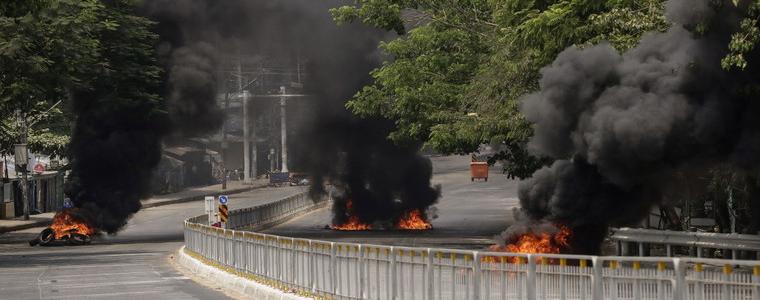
<point x="131" y="265"/>
<point x="469" y="213"/>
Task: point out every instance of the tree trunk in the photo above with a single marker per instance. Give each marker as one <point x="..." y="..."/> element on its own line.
<point x="753" y="198"/>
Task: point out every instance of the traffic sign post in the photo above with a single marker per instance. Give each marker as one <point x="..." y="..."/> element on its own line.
<point x="223" y="215"/>
<point x="223" y="211"/>
<point x="39" y="168"/>
<point x="209" y="202"/>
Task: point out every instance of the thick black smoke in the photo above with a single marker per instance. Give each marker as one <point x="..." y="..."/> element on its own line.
<point x="115" y="146"/>
<point x="120" y="122"/>
<point x="622" y="125"/>
<point x="193" y="87"/>
<point x="112" y="164"/>
<point x="118" y="135"/>
<point x="380" y="179"/>
<point x="190" y="46"/>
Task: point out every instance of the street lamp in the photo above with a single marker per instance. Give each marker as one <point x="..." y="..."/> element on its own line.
<point x="21" y="153"/>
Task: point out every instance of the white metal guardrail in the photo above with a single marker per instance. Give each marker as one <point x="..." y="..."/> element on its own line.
<point x="641" y="240"/>
<point x="358" y="271"/>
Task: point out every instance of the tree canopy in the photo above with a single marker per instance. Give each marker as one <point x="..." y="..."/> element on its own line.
<point x="53" y="49"/>
<point x="458" y="69"/>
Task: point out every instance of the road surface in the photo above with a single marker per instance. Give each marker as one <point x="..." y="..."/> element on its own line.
<point x="470" y="213"/>
<point x="131" y="265"/>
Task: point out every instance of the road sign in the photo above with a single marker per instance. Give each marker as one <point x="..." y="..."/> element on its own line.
<point x="67" y="203"/>
<point x="209" y="205"/>
<point x="223" y="199"/>
<point x="223" y="214"/>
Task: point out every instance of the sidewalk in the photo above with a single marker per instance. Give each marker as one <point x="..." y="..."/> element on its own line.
<point x="191" y="194"/>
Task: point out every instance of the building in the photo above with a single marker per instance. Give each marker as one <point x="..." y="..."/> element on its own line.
<point x="45" y="191"/>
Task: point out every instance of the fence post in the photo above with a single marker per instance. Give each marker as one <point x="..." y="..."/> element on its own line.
<point x="293" y="262"/>
<point x="680" y="272"/>
<point x="530" y="284"/>
<point x="725" y="290"/>
<point x="242" y="253"/>
<point x="597" y="288"/>
<point x="429" y="275"/>
<point x="393" y="273"/>
<point x="362" y="278"/>
<point x="699" y="286"/>
<point x="312" y="268"/>
<point x="476" y="275"/>
<point x="246" y="246"/>
<point x="235" y="252"/>
<point x="562" y="285"/>
<point x="756" y="281"/>
<point x="223" y="245"/>
<point x="333" y="269"/>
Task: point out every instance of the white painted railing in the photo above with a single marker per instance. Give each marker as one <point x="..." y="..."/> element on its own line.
<point x="640" y="241"/>
<point x="358" y="271"/>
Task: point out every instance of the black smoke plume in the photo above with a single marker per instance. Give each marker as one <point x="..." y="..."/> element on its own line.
<point x="115" y="149"/>
<point x="121" y="123"/>
<point x="621" y="126"/>
<point x="381" y="179"/>
<point x="193" y="88"/>
<point x="189" y="48"/>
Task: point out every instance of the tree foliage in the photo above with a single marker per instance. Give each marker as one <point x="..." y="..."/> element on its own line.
<point x="46" y="49"/>
<point x="459" y="68"/>
<point x="52" y="49"/>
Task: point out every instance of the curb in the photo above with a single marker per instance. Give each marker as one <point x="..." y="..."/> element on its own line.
<point x="40" y="223"/>
<point x="232" y="282"/>
<point x="202" y="196"/>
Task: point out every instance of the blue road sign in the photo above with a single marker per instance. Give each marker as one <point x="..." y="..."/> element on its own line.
<point x="223" y="199"/>
<point x="67" y="203"/>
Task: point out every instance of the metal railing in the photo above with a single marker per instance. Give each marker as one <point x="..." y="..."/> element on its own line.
<point x="359" y="271"/>
<point x="640" y="242"/>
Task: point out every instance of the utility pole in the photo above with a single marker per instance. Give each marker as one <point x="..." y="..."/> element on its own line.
<point x="5" y="169"/>
<point x="22" y="160"/>
<point x="254" y="152"/>
<point x="246" y="136"/>
<point x="283" y="130"/>
<point x="224" y="135"/>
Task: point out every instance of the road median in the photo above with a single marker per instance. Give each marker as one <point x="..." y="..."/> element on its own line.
<point x="208" y="272"/>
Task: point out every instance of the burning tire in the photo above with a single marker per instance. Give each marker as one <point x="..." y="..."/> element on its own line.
<point x="44" y="238"/>
<point x="79" y="239"/>
<point x="67" y="229"/>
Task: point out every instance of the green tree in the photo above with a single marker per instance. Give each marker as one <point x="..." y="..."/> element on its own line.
<point x="456" y="77"/>
<point x="51" y="50"/>
<point x="744" y="40"/>
<point x="120" y="119"/>
<point x="47" y="48"/>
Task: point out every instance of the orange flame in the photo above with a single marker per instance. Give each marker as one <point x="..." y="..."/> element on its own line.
<point x="413" y="220"/>
<point x="353" y="223"/>
<point x="537" y="243"/>
<point x="65" y="224"/>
